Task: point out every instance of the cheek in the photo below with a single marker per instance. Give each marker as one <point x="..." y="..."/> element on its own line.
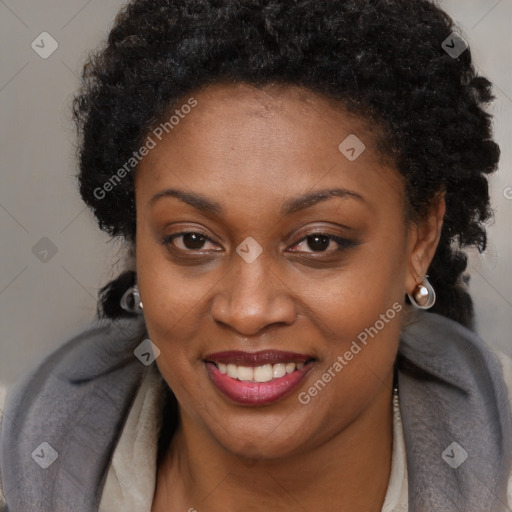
<point x="359" y="312"/>
<point x="356" y="295"/>
<point x="171" y="303"/>
<point x="168" y="291"/>
<point x="172" y="313"/>
<point x="362" y="327"/>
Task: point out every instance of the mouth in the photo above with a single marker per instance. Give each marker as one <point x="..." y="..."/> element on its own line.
<point x="257" y="378"/>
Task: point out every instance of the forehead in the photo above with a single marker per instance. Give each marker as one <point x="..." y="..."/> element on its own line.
<point x="273" y="106"/>
<point x="269" y="140"/>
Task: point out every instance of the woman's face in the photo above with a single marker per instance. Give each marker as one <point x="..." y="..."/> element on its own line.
<point x="273" y="264"/>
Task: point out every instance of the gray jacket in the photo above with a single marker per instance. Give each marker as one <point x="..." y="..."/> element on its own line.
<point x="74" y="405"/>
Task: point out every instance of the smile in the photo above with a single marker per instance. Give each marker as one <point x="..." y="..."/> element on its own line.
<point x="265" y="373"/>
<point x="259" y="378"/>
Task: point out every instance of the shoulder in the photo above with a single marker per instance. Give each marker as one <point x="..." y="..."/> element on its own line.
<point x="506" y="366"/>
<point x="96" y="372"/>
<point x="505" y="361"/>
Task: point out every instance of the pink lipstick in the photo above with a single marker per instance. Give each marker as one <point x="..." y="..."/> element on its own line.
<point x="257" y="378"/>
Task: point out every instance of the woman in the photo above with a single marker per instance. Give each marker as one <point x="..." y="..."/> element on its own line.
<point x="297" y="182"/>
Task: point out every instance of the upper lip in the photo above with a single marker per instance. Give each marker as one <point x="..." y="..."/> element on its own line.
<point x="259" y="358"/>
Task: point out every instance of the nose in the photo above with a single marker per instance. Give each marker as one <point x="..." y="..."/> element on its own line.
<point x="252" y="297"/>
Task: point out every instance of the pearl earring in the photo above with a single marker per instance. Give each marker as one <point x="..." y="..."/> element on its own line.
<point x="130" y="301"/>
<point x="423" y="296"/>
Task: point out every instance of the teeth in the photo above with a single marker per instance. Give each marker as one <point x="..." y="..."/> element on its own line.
<point x="233" y="371"/>
<point x="245" y="373"/>
<point x="290" y="367"/>
<point x="263" y="373"/>
<point x="279" y="370"/>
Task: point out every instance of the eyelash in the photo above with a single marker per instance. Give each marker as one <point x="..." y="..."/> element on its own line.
<point x="344" y="243"/>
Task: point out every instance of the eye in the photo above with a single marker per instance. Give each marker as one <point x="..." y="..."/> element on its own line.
<point x="187" y="241"/>
<point x="321" y="242"/>
<point x="190" y="241"/>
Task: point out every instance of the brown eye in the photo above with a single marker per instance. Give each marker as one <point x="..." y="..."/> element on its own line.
<point x="318" y="243"/>
<point x="323" y="242"/>
<point x="193" y="241"/>
<point x="187" y="241"/>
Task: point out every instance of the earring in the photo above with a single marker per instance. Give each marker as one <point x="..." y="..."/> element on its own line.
<point x="423" y="296"/>
<point x="130" y="301"/>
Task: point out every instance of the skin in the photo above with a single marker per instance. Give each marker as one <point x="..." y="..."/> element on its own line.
<point x="251" y="150"/>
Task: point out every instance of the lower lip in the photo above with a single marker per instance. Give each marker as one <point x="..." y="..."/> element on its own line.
<point x="256" y="393"/>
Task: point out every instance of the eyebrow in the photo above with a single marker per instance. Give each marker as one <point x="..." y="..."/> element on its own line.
<point x="305" y="201"/>
<point x="290" y="206"/>
<point x="198" y="201"/>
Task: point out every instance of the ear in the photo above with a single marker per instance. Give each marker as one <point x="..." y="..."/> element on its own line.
<point x="423" y="240"/>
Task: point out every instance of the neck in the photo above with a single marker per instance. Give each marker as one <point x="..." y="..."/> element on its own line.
<point x="350" y="471"/>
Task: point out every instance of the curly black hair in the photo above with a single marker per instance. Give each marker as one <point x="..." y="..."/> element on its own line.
<point x="382" y="59"/>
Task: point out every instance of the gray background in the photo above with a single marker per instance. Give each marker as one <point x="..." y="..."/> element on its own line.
<point x="44" y="303"/>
